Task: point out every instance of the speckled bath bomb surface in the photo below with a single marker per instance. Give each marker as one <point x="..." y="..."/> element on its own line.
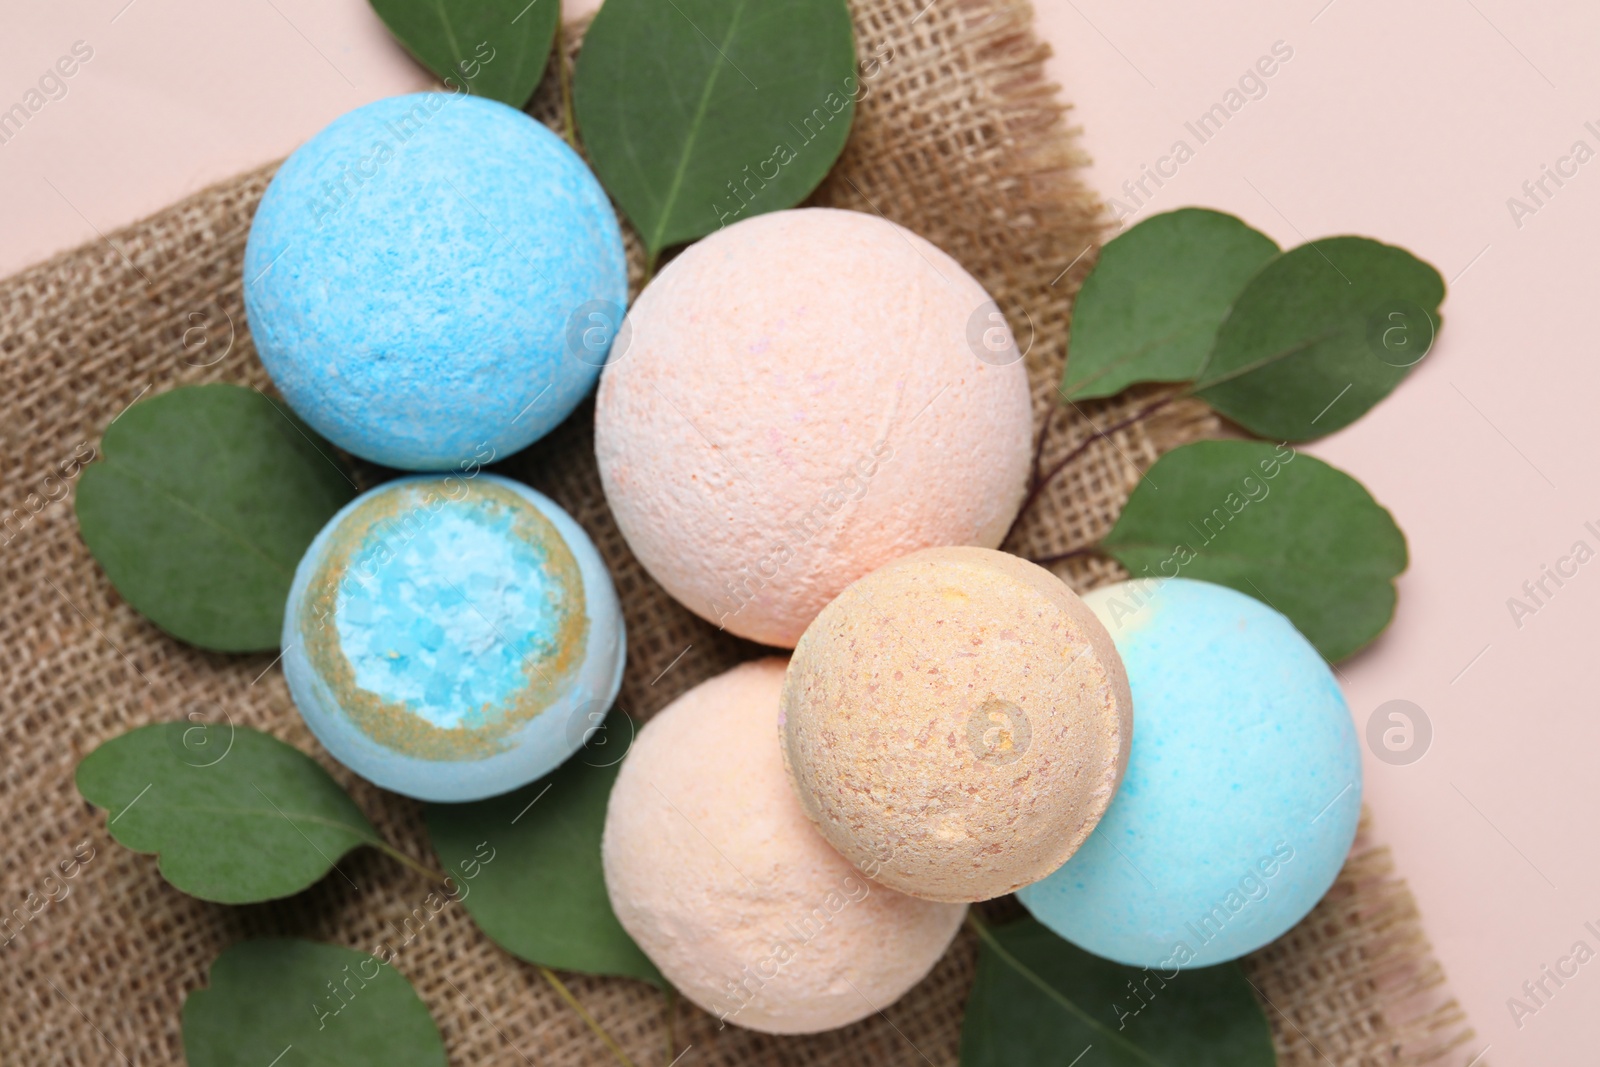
<point x="1243" y="789"/>
<point x="958" y="718"/>
<point x="447" y="637"/>
<point x="801" y="400"/>
<point x="716" y="872"/>
<point x="413" y="273"/>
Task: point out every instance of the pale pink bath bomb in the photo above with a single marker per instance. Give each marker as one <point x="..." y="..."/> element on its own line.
<point x="716" y="872"/>
<point x="960" y="720"/>
<point x="801" y="399"/>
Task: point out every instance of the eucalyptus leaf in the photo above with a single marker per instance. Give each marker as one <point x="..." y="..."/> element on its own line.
<point x="1037" y="999"/>
<point x="283" y="1002"/>
<point x="493" y="48"/>
<point x="541" y="894"/>
<point x="236" y="815"/>
<point x="699" y="113"/>
<point x="1274" y="524"/>
<point x="202" y="504"/>
<point x="1150" y="309"/>
<point x="1320" y="335"/>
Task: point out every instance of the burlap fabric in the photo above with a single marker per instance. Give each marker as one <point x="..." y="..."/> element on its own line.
<point x="961" y="138"/>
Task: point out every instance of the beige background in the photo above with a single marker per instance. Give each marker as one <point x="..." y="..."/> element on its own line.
<point x="1413" y="123"/>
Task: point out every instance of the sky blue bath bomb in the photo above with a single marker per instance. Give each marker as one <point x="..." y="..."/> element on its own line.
<point x="1242" y="792"/>
<point x="452" y="638"/>
<point x="434" y="279"/>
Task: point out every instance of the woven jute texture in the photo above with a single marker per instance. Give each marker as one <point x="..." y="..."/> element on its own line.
<point x="959" y="137"/>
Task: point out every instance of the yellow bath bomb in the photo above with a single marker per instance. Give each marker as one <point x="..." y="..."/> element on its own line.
<point x="956" y="722"/>
<point x="715" y="871"/>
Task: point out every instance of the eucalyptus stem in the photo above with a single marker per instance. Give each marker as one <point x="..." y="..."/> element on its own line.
<point x="1038" y="448"/>
<point x="1040" y="483"/>
<point x="599" y="1031"/>
<point x="400" y="857"/>
<point x="1059" y="557"/>
<point x="564" y="76"/>
<point x="671" y="997"/>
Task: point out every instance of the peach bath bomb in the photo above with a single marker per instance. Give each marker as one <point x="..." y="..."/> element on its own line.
<point x="956" y="722"/>
<point x="716" y="872"/>
<point x="428" y="280"/>
<point x="1243" y="788"/>
<point x="449" y="637"/>
<point x="804" y="396"/>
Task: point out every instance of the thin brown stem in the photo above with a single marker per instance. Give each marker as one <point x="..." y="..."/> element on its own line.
<point x="564" y="76"/>
<point x="599" y="1031"/>
<point x="1038" y="448"/>
<point x="672" y="1025"/>
<point x="1074" y="553"/>
<point x="1041" y="483"/>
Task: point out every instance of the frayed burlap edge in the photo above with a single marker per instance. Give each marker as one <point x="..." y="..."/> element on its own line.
<point x="961" y="138"/>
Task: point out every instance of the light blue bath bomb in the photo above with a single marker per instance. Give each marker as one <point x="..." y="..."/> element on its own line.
<point x="433" y="279"/>
<point x="1242" y="792"/>
<point x="452" y="638"/>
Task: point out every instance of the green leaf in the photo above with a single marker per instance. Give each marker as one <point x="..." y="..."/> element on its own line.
<point x="1274" y="524"/>
<point x="201" y="506"/>
<point x="236" y="815"/>
<point x="493" y="48"/>
<point x="698" y="113"/>
<point x="528" y="863"/>
<point x="1149" y="311"/>
<point x="307" y="1004"/>
<point x="1320" y="335"/>
<point x="1037" y="999"/>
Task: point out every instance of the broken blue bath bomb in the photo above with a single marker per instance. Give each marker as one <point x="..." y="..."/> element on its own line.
<point x="1242" y="792"/>
<point x="434" y="279"/>
<point x="452" y="638"/>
